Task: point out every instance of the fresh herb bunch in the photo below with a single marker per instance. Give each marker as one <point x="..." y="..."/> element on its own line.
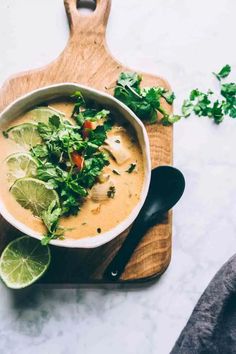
<point x="145" y="102"/>
<point x="70" y="160"/>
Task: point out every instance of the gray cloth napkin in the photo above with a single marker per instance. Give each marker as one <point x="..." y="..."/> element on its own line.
<point x="211" y="328"/>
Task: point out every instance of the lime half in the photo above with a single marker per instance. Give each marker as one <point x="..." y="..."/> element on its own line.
<point x="34" y="195"/>
<point x="20" y="165"/>
<point x="23" y="261"/>
<point x="41" y="114"/>
<point x="25" y="134"/>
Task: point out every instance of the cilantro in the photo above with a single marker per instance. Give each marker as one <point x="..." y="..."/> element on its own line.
<point x="111" y="192"/>
<point x="201" y="103"/>
<point x="90" y="114"/>
<point x="187" y="108"/>
<point x="65" y="183"/>
<point x="170" y="119"/>
<point x="228" y="91"/>
<point x="52" y="236"/>
<point x="145" y="102"/>
<point x="131" y="167"/>
<point x="55" y="121"/>
<point x="169" y="97"/>
<point x="116" y="172"/>
<point x="50" y="172"/>
<point x="99" y="135"/>
<point x="129" y="79"/>
<point x="216" y="112"/>
<point x="40" y="151"/>
<point x="79" y="102"/>
<point x="101" y="114"/>
<point x="93" y="166"/>
<point x="51" y="217"/>
<point x="223" y="73"/>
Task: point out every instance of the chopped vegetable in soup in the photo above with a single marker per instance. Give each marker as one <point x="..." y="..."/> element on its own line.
<point x="65" y="169"/>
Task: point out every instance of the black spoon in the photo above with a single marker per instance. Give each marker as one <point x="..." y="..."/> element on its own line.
<point x="166" y="188"/>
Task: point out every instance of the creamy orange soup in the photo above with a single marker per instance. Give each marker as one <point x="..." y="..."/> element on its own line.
<point x="96" y="216"/>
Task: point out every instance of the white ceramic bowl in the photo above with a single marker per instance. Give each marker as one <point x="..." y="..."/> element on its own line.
<point x="44" y="94"/>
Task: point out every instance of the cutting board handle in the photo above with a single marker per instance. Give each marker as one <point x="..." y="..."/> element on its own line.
<point x="91" y="24"/>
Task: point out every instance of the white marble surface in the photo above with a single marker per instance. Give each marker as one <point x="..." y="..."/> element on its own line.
<point x="183" y="41"/>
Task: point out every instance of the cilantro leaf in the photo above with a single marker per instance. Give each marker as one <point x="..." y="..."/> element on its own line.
<point x="187" y="108"/>
<point x="153" y="96"/>
<point x="55" y="121"/>
<point x="201" y="106"/>
<point x="91" y="114"/>
<point x="40" y="151"/>
<point x="129" y="79"/>
<point x="92" y="169"/>
<point x="216" y="112"/>
<point x="51" y="216"/>
<point x="79" y="102"/>
<point x="223" y="73"/>
<point x="228" y="91"/>
<point x="98" y="135"/>
<point x="170" y="119"/>
<point x="100" y="114"/>
<point x="131" y="168"/>
<point x="169" y="96"/>
<point x="200" y="103"/>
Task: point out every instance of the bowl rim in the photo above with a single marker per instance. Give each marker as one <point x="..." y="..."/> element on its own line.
<point x="105" y="237"/>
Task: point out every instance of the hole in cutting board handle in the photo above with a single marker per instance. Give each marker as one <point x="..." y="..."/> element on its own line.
<point x="86" y="6"/>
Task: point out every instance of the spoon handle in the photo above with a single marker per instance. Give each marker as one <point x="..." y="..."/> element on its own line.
<point x="117" y="265"/>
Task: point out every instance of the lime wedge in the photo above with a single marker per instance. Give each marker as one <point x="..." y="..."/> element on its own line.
<point x="34" y="195"/>
<point x="41" y="114"/>
<point x="23" y="261"/>
<point x="25" y="134"/>
<point x="20" y="165"/>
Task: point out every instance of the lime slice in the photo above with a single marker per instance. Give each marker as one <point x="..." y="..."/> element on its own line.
<point x="41" y="114"/>
<point x="20" y="165"/>
<point x="34" y="195"/>
<point x="23" y="261"/>
<point x="25" y="134"/>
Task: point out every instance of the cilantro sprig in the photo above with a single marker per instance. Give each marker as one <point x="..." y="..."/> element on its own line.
<point x="145" y="102"/>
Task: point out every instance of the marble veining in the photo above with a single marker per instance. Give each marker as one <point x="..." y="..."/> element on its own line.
<point x="183" y="41"/>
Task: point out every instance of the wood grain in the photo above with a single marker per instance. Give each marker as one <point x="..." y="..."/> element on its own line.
<point x="86" y="60"/>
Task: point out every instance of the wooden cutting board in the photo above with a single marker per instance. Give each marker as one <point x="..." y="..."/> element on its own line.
<point x="86" y="60"/>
